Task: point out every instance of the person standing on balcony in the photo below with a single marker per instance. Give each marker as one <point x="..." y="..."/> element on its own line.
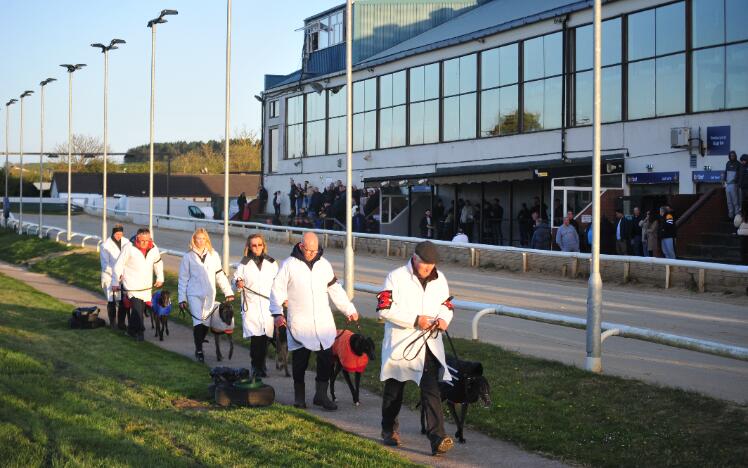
<point x="732" y="188"/>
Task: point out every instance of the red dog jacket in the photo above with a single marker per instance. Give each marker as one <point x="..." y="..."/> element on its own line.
<point x="342" y="350"/>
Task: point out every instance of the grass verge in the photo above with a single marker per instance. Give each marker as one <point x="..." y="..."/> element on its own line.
<point x="73" y="397"/>
<point x="17" y="249"/>
<point x="560" y="410"/>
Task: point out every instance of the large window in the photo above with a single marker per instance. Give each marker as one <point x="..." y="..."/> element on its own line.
<point x="273" y="105"/>
<point x="719" y="74"/>
<point x="316" y="112"/>
<point x="326" y="31"/>
<point x="336" y="120"/>
<point x="499" y="105"/>
<point x="542" y="61"/>
<point x="392" y="110"/>
<point x="294" y="127"/>
<point x="657" y="63"/>
<point x="459" y="112"/>
<point x="273" y="149"/>
<point x="424" y="104"/>
<point x="365" y="115"/>
<point x="611" y="73"/>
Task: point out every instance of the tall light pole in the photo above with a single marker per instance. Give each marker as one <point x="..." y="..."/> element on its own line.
<point x="152" y="24"/>
<point x="71" y="69"/>
<point x="41" y="153"/>
<point x="227" y="144"/>
<point x="25" y="94"/>
<point x="105" y="50"/>
<point x="6" y="200"/>
<point x="348" y="147"/>
<point x="595" y="286"/>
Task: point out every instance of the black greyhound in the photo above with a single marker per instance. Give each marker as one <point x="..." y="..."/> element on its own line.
<point x="160" y="321"/>
<point x="223" y="325"/>
<point x="280" y="342"/>
<point x="360" y="345"/>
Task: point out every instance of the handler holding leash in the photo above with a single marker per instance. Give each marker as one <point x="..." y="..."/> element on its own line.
<point x="110" y="251"/>
<point x="415" y="305"/>
<point x="198" y="273"/>
<point x="254" y="278"/>
<point x="134" y="270"/>
<point x="306" y="281"/>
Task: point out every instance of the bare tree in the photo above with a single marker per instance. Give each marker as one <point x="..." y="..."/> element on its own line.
<point x="83" y="147"/>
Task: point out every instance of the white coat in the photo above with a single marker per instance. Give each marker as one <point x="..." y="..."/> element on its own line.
<point x="256" y="317"/>
<point x="399" y="304"/>
<point x="134" y="271"/>
<point x="309" y="290"/>
<point x="108" y="255"/>
<point x="197" y="284"/>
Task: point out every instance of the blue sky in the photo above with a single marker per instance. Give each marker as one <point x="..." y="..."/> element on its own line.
<point x="38" y="35"/>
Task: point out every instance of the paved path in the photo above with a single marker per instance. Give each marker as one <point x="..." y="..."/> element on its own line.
<point x="707" y="316"/>
<point x="480" y="450"/>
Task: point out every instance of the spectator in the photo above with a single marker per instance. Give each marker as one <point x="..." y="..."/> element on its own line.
<point x="558" y="212"/>
<point x="623" y="233"/>
<point x="498" y="217"/>
<point x="572" y="221"/>
<point x="292" y="193"/>
<point x="541" y="236"/>
<point x="300" y="193"/>
<point x="567" y="236"/>
<point x="650" y="234"/>
<point x="541" y="208"/>
<point x="743" y="180"/>
<point x="241" y="203"/>
<point x="467" y="218"/>
<point x="277" y="204"/>
<point x="523" y="220"/>
<point x="636" y="232"/>
<point x="732" y="187"/>
<point x="667" y="231"/>
<point x="262" y="195"/>
<point x="358" y="221"/>
<point x="741" y="223"/>
<point x="460" y="237"/>
<point x="427" y="225"/>
<point x="372" y="202"/>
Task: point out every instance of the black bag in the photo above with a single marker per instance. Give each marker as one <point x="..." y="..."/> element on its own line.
<point x="232" y="386"/>
<point x="86" y="318"/>
<point x="468" y="375"/>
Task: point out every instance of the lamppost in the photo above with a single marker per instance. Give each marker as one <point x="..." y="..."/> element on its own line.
<point x="152" y="24"/>
<point x="226" y="266"/>
<point x="41" y="153"/>
<point x="6" y="200"/>
<point x="26" y="93"/>
<point x="71" y="69"/>
<point x="348" y="271"/>
<point x="105" y="50"/>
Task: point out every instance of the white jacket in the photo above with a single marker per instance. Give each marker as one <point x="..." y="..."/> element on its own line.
<point x="197" y="280"/>
<point x="256" y="317"/>
<point x="134" y="271"/>
<point x="308" y="291"/>
<point x="399" y="304"/>
<point x="108" y="255"/>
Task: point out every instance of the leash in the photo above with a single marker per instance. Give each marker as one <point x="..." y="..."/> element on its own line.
<point x="215" y="308"/>
<point x="428" y="333"/>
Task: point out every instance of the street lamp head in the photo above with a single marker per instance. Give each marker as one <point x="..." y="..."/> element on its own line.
<point x="258" y="97"/>
<point x="100" y="46"/>
<point x="168" y="12"/>
<point x="26" y="93"/>
<point x="160" y="18"/>
<point x="11" y="102"/>
<point x="47" y="81"/>
<point x="117" y="41"/>
<point x="72" y="68"/>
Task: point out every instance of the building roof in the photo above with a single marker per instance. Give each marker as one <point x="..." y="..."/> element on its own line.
<point x="180" y="185"/>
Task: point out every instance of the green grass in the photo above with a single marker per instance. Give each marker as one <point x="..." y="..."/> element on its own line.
<point x="18" y="249"/>
<point x="96" y="398"/>
<point x="559" y="410"/>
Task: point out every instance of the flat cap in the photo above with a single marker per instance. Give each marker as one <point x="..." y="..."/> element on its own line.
<point x="427" y="252"/>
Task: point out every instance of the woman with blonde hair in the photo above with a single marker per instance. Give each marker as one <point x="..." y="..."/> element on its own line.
<point x="199" y="273"/>
<point x="254" y="279"/>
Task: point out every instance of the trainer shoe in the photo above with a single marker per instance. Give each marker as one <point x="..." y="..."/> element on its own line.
<point x="199" y="356"/>
<point x="391" y="439"/>
<point x="442" y="446"/>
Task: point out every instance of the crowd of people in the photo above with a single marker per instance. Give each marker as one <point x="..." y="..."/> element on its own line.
<point x="294" y="295"/>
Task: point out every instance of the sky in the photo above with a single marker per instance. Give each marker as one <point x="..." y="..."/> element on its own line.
<point x="39" y="35"/>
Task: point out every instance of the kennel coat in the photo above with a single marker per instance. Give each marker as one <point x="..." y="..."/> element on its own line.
<point x="256" y="317"/>
<point x="399" y="304"/>
<point x="198" y="277"/>
<point x="309" y="287"/>
<point x="108" y="256"/>
<point x="135" y="271"/>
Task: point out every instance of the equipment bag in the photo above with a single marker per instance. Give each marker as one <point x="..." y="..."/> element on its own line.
<point x="86" y="318"/>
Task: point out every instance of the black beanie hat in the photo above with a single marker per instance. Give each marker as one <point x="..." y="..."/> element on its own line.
<point x="117" y="228"/>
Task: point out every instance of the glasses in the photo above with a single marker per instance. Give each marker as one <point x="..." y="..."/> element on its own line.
<point x="257" y="245"/>
<point x="307" y="250"/>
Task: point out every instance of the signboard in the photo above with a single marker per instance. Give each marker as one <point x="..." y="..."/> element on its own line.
<point x="708" y="176"/>
<point x="718" y="140"/>
<point x="420" y="188"/>
<point x="586" y="219"/>
<point x="652" y="178"/>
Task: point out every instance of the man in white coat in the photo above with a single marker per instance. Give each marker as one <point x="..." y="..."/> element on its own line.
<point x="307" y="282"/>
<point x="415" y="306"/>
<point x="134" y="271"/>
<point x="110" y="250"/>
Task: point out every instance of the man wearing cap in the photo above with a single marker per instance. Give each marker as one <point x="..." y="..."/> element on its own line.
<point x="110" y="250"/>
<point x="416" y="307"/>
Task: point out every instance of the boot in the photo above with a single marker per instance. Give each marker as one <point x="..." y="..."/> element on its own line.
<point x="299" y="395"/>
<point x="111" y="311"/>
<point x="321" y="399"/>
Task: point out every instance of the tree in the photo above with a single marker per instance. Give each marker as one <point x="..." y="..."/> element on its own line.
<point x="82" y="145"/>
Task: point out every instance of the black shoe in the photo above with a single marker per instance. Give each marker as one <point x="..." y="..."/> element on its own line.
<point x="199" y="356"/>
<point x="321" y="399"/>
<point x="391" y="439"/>
<point x="442" y="446"/>
<point x="299" y="396"/>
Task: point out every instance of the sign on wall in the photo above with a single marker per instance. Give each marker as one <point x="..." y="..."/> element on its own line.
<point x="708" y="176"/>
<point x="652" y="178"/>
<point x="718" y="140"/>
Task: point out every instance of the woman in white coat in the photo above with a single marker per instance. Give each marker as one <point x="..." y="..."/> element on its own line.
<point x="254" y="279"/>
<point x="110" y="250"/>
<point x="199" y="273"/>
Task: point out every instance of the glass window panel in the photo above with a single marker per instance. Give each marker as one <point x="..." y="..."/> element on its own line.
<point x="358" y="96"/>
<point x="370" y="130"/>
<point x="671" y="85"/>
<point x="489" y="68"/>
<point x="451" y="77"/>
<point x="468" y="73"/>
<point x="358" y="132"/>
<point x="467" y="116"/>
<point x="583" y="42"/>
<point x="398" y="126"/>
<point x="416" y="123"/>
<point x="385" y="91"/>
<point x="641" y="92"/>
<point x="431" y="81"/>
<point x="708" y="79"/>
<point x="295" y="140"/>
<point x="737" y="20"/>
<point x="552" y="103"/>
<point x="315" y="138"/>
<point x="489" y="113"/>
<point x="398" y="88"/>
<point x="671" y="28"/>
<point x="508" y="64"/>
<point x="385" y="128"/>
<point x="641" y="35"/>
<point x="337" y="102"/>
<point x="451" y="118"/>
<point x="611" y="53"/>
<point x="708" y="17"/>
<point x="370" y="94"/>
<point x="332" y="134"/>
<point x="416" y="84"/>
<point x="583" y="98"/>
<point x="273" y="150"/>
<point x="315" y="106"/>
<point x="533" y="62"/>
<point x="431" y="121"/>
<point x="533" y="112"/>
<point x="508" y="102"/>
<point x="552" y="53"/>
<point x="737" y="75"/>
<point x="611" y="94"/>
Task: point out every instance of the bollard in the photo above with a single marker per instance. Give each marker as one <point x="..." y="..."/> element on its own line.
<point x="388" y="249"/>
<point x="667" y="276"/>
<point x="564" y="270"/>
<point x="702" y="280"/>
<point x="524" y="262"/>
<point x="327" y="239"/>
<point x="574" y="267"/>
<point x="626" y="271"/>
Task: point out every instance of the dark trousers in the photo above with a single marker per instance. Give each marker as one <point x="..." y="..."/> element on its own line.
<point x="135" y="325"/>
<point x="199" y="332"/>
<point x="431" y="401"/>
<point x="300" y="361"/>
<point x="117" y="313"/>
<point x="258" y="347"/>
